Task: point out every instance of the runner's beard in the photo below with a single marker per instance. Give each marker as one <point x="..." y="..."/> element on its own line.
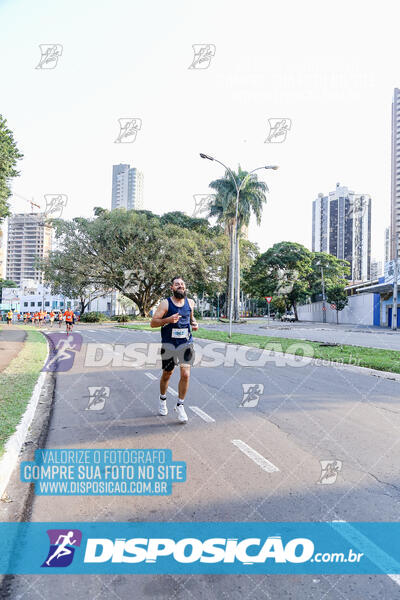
<point x="179" y="295"/>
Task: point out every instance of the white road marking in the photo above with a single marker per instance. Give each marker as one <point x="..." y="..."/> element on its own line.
<point x="381" y="558"/>
<point x="173" y="392"/>
<point x="202" y="414"/>
<point x="151" y="376"/>
<point x="255" y="456"/>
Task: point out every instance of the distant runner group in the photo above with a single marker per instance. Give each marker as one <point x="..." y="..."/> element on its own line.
<point x="42" y="317"/>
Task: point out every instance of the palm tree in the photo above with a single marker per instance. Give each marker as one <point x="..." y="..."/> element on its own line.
<point x="251" y="199"/>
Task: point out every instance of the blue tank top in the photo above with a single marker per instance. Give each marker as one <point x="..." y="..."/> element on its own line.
<point x="177" y="333"/>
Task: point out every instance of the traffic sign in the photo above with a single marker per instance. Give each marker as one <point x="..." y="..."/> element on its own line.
<point x="333" y="306"/>
<point x="268" y="299"/>
<point x="324" y="308"/>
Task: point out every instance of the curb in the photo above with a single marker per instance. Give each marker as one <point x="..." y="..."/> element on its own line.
<point x="14" y="444"/>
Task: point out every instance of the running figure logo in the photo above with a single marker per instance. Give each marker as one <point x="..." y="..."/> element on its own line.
<point x="329" y="471"/>
<point x="62" y="547"/>
<point x="278" y="129"/>
<point x="50" y="55"/>
<point x="97" y="397"/>
<point x="55" y="204"/>
<point x="128" y="129"/>
<point x="202" y="204"/>
<point x="251" y="394"/>
<point x="203" y="54"/>
<point x="65" y="348"/>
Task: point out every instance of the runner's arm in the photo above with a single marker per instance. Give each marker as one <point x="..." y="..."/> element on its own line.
<point x="157" y="319"/>
<point x="193" y="321"/>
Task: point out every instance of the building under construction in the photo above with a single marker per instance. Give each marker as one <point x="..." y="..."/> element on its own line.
<point x="29" y="239"/>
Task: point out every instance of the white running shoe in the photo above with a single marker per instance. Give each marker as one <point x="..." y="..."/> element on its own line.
<point x="182" y="416"/>
<point x="163" y="409"/>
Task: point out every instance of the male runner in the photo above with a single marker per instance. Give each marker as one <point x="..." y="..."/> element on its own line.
<point x="60" y="318"/>
<point x="69" y="320"/>
<point x="9" y="317"/>
<point x="52" y="315"/>
<point x="175" y="317"/>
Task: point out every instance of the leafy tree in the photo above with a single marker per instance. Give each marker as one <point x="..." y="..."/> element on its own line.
<point x="9" y="155"/>
<point x="137" y="254"/>
<point x="223" y="206"/>
<point x="193" y="223"/>
<point x="64" y="278"/>
<point x="336" y="295"/>
<point x="282" y="270"/>
<point x="335" y="272"/>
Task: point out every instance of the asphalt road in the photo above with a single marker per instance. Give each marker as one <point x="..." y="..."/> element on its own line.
<point x="304" y="414"/>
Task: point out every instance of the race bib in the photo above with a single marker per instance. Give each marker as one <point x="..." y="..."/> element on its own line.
<point x="179" y="333"/>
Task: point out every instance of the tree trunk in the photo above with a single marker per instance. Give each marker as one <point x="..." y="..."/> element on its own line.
<point x="236" y="310"/>
<point x="295" y="311"/>
<point x="337" y="317"/>
<point x="231" y="264"/>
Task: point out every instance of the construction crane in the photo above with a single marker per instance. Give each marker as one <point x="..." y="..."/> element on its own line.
<point x="31" y="202"/>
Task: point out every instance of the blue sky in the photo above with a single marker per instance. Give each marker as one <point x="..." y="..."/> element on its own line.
<point x="330" y="68"/>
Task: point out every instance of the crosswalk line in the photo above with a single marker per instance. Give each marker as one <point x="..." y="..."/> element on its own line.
<point x="255" y="456"/>
<point x="202" y="414"/>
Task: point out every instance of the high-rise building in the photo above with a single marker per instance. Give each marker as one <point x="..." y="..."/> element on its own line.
<point x="387" y="245"/>
<point x="341" y="225"/>
<point x="1" y="254"/>
<point x="29" y="239"/>
<point x="395" y="189"/>
<point x="127" y="188"/>
<point x="376" y="269"/>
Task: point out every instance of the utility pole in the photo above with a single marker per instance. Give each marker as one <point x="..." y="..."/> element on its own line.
<point x="395" y="290"/>
<point x="323" y="296"/>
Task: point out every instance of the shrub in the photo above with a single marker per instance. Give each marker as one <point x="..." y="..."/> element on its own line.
<point x="93" y="317"/>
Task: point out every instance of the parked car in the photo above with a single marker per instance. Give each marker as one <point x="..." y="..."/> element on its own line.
<point x="289" y="316"/>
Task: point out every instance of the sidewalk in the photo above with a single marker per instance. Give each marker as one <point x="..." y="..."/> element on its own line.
<point x="11" y="343"/>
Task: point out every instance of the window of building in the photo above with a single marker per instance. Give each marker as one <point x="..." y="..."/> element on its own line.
<point x="25" y="304"/>
<point x="39" y="304"/>
<point x="32" y="304"/>
<point x="47" y="303"/>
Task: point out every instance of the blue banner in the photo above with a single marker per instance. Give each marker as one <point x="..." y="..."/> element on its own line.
<point x="223" y="547"/>
<point x="103" y="472"/>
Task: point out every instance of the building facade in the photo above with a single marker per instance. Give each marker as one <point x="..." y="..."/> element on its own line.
<point x="32" y="296"/>
<point x="376" y="269"/>
<point x="341" y="225"/>
<point x="387" y="245"/>
<point x="29" y="239"/>
<point x="395" y="182"/>
<point x="127" y="188"/>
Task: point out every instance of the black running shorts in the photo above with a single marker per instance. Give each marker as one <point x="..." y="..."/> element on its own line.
<point x="172" y="356"/>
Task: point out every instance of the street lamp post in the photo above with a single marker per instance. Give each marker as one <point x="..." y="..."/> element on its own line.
<point x="234" y="248"/>
<point x="323" y="296"/>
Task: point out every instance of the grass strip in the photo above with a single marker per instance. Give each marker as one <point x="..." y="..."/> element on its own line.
<point x="372" y="358"/>
<point x="17" y="382"/>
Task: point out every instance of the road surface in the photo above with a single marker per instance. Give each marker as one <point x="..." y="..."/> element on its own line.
<point x="304" y="415"/>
